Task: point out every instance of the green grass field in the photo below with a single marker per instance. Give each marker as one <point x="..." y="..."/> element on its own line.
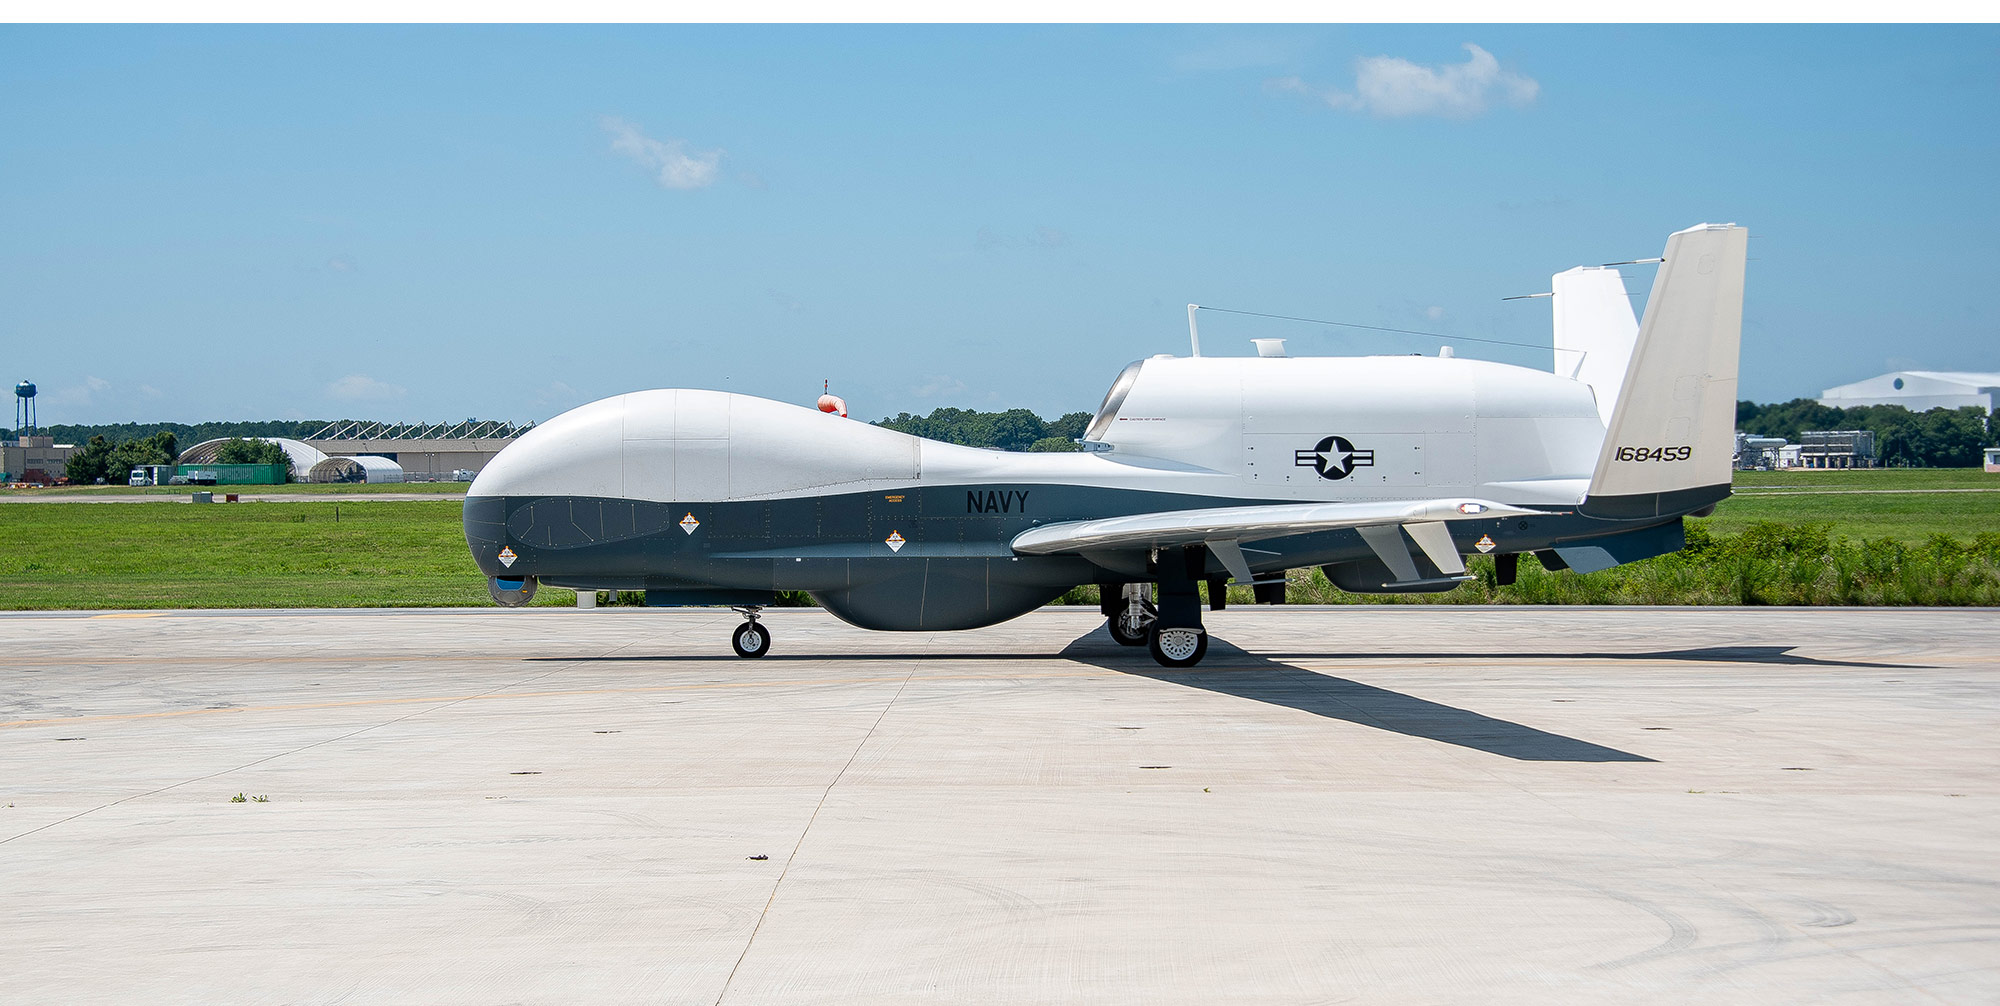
<point x="392" y="553"/>
<point x="351" y="553"/>
<point x="1872" y="478"/>
<point x="1882" y="508"/>
<point x="289" y="489"/>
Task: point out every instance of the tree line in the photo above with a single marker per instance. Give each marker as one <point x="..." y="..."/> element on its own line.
<point x="102" y="459"/>
<point x="1936" y="438"/>
<point x="186" y="433"/>
<point x="1012" y="430"/>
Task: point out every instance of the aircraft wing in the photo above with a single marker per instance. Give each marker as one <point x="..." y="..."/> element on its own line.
<point x="1223" y="529"/>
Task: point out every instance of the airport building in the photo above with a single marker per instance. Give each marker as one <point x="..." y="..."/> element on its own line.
<point x="1816" y="449"/>
<point x="1759" y="454"/>
<point x="384" y="452"/>
<point x="26" y="457"/>
<point x="1837" y="449"/>
<point x="33" y="459"/>
<point x="424" y="452"/>
<point x="1918" y="390"/>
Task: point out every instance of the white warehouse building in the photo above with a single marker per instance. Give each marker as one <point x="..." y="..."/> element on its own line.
<point x="1918" y="390"/>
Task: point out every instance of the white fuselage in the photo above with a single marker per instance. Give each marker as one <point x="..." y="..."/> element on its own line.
<point x="1221" y="427"/>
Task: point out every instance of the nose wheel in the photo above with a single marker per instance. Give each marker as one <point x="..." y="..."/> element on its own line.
<point x="751" y="639"/>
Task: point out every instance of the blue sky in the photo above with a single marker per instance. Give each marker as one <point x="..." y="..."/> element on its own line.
<point x="431" y="223"/>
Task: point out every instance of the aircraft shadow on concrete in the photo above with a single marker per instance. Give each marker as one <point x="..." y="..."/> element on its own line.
<point x="1230" y="670"/>
<point x="1714" y="654"/>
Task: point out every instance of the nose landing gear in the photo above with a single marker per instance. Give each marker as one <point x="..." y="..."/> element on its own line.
<point x="751" y="639"/>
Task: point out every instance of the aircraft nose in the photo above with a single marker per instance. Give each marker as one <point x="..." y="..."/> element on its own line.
<point x="576" y="454"/>
<point x="486" y="532"/>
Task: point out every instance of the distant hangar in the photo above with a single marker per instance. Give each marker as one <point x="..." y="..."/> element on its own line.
<point x="1918" y="390"/>
<point x="383" y="452"/>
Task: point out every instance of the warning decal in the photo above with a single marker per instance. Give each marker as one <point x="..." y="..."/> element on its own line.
<point x="894" y="541"/>
<point x="507" y="556"/>
<point x="688" y="523"/>
<point x="1485" y="543"/>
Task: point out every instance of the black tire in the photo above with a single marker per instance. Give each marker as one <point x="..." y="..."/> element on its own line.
<point x="751" y="640"/>
<point x="511" y="592"/>
<point x="1174" y="650"/>
<point x="1116" y="623"/>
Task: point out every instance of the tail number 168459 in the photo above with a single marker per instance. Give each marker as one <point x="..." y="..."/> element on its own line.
<point x="1681" y="453"/>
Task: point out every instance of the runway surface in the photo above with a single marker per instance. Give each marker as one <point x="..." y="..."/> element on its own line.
<point x="1404" y="804"/>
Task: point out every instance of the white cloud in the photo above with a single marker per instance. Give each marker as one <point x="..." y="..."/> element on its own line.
<point x="1049" y="237"/>
<point x="340" y="263"/>
<point x="78" y="394"/>
<point x="1434" y="313"/>
<point x="1391" y="87"/>
<point x="669" y="161"/>
<point x="361" y="387"/>
<point x="938" y="386"/>
<point x="557" y="393"/>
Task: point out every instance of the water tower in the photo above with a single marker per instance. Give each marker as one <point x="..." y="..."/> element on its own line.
<point x="24" y="408"/>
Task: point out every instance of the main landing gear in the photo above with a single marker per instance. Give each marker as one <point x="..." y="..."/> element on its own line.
<point x="751" y="638"/>
<point x="1177" y="647"/>
<point x="1171" y="630"/>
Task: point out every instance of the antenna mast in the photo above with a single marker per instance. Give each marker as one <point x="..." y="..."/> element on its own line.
<point x="1194" y="334"/>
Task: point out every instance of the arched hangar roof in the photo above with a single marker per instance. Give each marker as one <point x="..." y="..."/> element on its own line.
<point x="304" y="455"/>
<point x="355" y="468"/>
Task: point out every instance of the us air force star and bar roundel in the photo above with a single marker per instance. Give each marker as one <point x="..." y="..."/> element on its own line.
<point x="1334" y="458"/>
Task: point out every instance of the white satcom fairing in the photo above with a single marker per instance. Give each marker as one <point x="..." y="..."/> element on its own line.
<point x="1384" y="470"/>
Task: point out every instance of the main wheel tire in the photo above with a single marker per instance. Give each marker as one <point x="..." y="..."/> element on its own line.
<point x="751" y="640"/>
<point x="1116" y="623"/>
<point x="1177" y="647"/>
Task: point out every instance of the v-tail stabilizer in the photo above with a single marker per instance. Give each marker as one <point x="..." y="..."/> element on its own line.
<point x="1667" y="449"/>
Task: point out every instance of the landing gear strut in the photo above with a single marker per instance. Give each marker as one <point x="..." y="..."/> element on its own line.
<point x="751" y="639"/>
<point x="1176" y="638"/>
<point x="1130" y="618"/>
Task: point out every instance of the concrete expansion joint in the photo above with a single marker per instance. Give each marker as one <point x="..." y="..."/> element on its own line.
<point x="786" y="870"/>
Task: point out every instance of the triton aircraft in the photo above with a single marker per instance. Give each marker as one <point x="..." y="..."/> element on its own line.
<point x="1384" y="471"/>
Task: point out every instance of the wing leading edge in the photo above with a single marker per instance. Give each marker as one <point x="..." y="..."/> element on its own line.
<point x="1224" y="529"/>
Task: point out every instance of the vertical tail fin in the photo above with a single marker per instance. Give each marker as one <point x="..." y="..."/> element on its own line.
<point x="1668" y="445"/>
<point x="1594" y="331"/>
